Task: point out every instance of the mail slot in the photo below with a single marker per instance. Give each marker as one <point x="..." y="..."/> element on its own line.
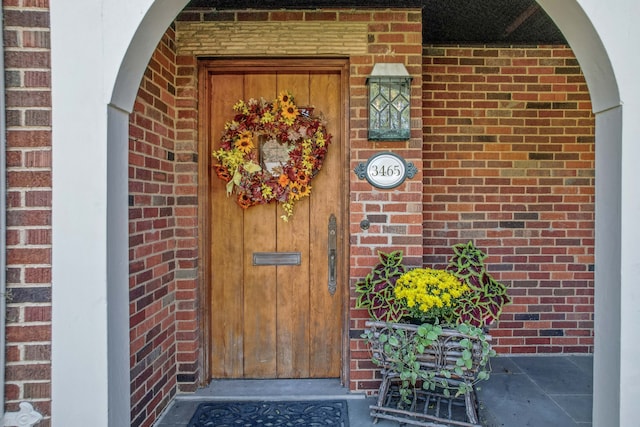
<point x="276" y="258"/>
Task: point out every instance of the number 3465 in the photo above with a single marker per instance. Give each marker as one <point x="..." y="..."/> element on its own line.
<point x="385" y="170"/>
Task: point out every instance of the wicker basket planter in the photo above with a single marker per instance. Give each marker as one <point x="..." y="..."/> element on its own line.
<point x="430" y="403"/>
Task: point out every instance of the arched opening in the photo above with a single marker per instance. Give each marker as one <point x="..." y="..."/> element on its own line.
<point x="581" y="36"/>
<point x="597" y="68"/>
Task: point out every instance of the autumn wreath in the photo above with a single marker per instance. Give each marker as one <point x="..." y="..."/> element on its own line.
<point x="293" y="131"/>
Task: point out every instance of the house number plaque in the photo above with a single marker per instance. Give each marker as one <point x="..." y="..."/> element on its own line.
<point x="385" y="170"/>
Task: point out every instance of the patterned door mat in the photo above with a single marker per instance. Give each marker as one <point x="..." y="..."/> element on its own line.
<point x="266" y="414"/>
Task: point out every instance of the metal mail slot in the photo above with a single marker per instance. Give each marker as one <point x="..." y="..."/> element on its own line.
<point x="276" y="258"/>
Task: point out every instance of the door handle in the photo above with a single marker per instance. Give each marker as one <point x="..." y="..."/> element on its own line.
<point x="332" y="254"/>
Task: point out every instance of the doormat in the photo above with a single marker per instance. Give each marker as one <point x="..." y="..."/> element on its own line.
<point x="266" y="413"/>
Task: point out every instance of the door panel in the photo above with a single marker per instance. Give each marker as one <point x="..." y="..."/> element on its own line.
<point x="275" y="321"/>
<point x="260" y="284"/>
<point x="293" y="315"/>
<point x="226" y="309"/>
<point x="326" y="335"/>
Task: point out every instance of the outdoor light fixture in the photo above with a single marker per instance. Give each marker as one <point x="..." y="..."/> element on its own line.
<point x="389" y="102"/>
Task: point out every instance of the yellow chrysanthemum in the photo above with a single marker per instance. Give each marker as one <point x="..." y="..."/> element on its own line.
<point x="241" y="107"/>
<point x="287" y="207"/>
<point x="230" y="158"/>
<point x="307" y="163"/>
<point x="429" y="290"/>
<point x="230" y="125"/>
<point x="267" y="192"/>
<point x="319" y="138"/>
<point x="267" y="117"/>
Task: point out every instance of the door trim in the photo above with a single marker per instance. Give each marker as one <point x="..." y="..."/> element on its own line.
<point x="205" y="66"/>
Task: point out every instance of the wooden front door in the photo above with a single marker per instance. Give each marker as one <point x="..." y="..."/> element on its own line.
<point x="275" y="321"/>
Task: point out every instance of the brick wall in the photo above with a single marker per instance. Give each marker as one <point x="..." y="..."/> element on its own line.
<point x="394" y="215"/>
<point x="28" y="170"/>
<point x="366" y="37"/>
<point x="509" y="163"/>
<point x="186" y="191"/>
<point x="153" y="237"/>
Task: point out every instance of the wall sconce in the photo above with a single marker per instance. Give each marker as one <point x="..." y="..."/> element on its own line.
<point x="389" y="102"/>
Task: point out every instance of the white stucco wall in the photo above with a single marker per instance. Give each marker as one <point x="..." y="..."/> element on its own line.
<point x="80" y="216"/>
<point x="99" y="51"/>
<point x="96" y="71"/>
<point x="618" y="27"/>
<point x="604" y="52"/>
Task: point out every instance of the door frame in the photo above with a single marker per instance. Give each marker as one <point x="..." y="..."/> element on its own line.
<point x="204" y="66"/>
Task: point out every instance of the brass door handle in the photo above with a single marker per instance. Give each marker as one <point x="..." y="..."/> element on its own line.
<point x="333" y="254"/>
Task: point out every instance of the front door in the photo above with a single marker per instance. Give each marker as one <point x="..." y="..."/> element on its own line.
<point x="275" y="319"/>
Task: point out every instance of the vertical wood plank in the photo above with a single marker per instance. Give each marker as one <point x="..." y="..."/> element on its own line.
<point x="326" y="309"/>
<point x="293" y="281"/>
<point x="227" y="303"/>
<point x="260" y="285"/>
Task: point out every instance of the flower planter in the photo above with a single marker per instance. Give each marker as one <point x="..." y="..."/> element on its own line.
<point x="439" y="368"/>
<point x="428" y="371"/>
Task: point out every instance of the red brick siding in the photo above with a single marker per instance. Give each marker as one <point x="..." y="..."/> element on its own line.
<point x="186" y="191"/>
<point x="509" y="163"/>
<point x="28" y="170"/>
<point x="395" y="215"/>
<point x="393" y="36"/>
<point x="152" y="237"/>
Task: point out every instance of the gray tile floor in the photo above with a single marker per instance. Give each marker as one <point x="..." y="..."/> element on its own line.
<point x="537" y="391"/>
<point x="540" y="391"/>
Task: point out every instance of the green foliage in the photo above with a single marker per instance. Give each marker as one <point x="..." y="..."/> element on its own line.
<point x="414" y="353"/>
<point x="483" y="305"/>
<point x="450" y="353"/>
<point x="375" y="291"/>
<point x="480" y="306"/>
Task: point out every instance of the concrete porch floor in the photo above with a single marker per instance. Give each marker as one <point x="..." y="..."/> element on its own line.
<point x="531" y="391"/>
